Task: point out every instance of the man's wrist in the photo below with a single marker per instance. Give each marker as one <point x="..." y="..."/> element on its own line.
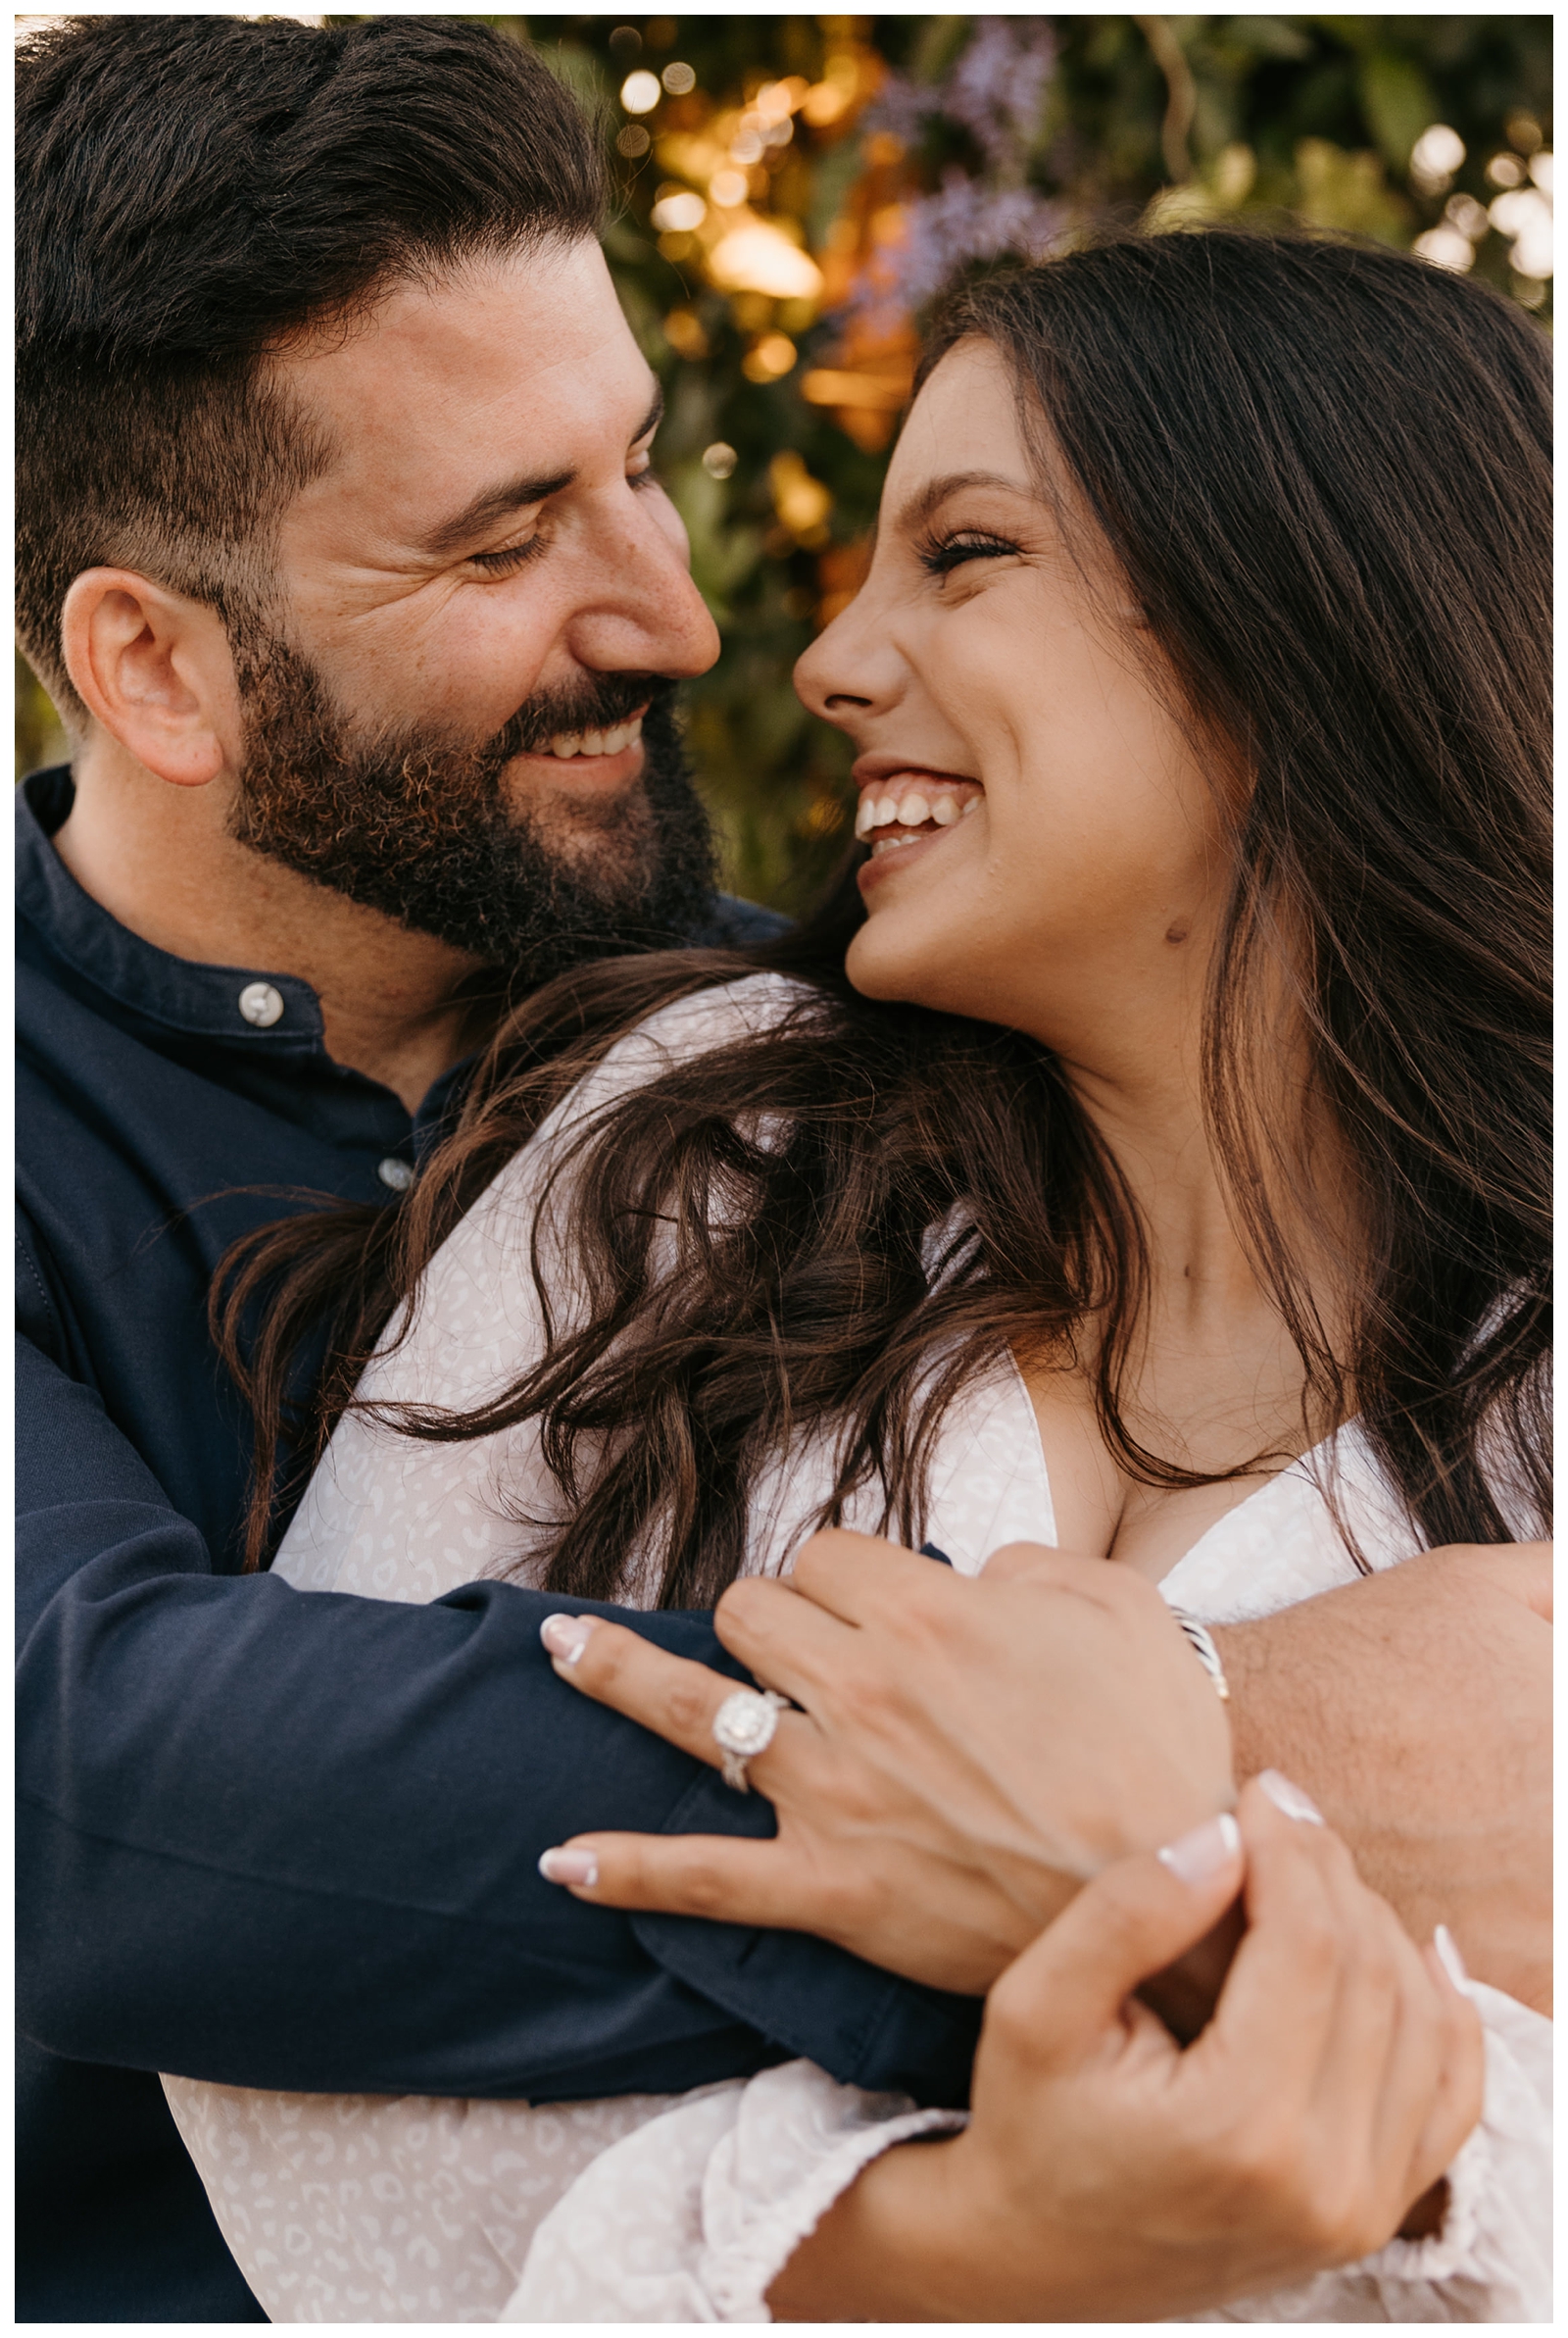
<point x="1236" y="1645"/>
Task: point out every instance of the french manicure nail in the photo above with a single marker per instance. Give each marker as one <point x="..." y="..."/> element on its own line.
<point x="1289" y="1798"/>
<point x="1195" y="1857"/>
<point x="1453" y="1963"/>
<point x="569" y="1866"/>
<point x="566" y="1636"/>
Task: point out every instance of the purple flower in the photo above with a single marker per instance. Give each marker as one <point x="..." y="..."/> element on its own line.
<point x="963" y="221"/>
<point x="996" y="91"/>
<point x="998" y="88"/>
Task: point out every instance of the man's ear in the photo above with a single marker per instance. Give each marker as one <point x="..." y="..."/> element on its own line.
<point x="155" y="670"/>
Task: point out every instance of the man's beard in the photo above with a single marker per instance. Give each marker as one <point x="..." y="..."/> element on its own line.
<point x="405" y="822"/>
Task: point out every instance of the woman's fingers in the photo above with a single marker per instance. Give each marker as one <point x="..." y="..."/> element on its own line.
<point x="1348" y="2080"/>
<point x="787" y="1640"/>
<point x="729" y="1879"/>
<point x="1133" y="1920"/>
<point x="857" y="1576"/>
<point x="671" y="1695"/>
<point x="1289" y="1956"/>
<point x="1459" y="2096"/>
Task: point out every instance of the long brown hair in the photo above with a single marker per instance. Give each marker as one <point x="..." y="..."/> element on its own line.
<point x="1325" y="471"/>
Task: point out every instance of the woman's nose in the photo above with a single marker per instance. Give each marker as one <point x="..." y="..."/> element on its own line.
<point x="846" y="672"/>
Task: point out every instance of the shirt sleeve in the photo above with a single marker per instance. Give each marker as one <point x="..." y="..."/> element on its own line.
<point x="290" y="1842"/>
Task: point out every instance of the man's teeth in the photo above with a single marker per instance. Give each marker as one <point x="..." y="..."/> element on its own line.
<point x="911" y="810"/>
<point x="597" y="742"/>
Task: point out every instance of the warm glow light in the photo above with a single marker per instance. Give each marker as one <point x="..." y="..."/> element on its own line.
<point x="825" y="104"/>
<point x="1437" y="153"/>
<point x="1446" y="247"/>
<point x="756" y="257"/>
<point x="801" y="502"/>
<point x="640" y="93"/>
<point x="824" y="385"/>
<point x="727" y="188"/>
<point x="677" y="212"/>
<point x="1525" y="215"/>
<point x="770" y="359"/>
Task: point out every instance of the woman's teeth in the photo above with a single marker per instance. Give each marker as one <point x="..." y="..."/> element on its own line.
<point x="596" y="742"/>
<point x="907" y="812"/>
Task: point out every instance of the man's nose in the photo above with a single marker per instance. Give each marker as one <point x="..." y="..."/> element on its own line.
<point x="646" y="615"/>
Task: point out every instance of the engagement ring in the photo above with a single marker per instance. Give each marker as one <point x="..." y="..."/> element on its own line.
<point x="744" y="1726"/>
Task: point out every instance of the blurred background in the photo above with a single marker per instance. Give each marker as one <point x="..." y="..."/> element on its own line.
<point x="793" y="191"/>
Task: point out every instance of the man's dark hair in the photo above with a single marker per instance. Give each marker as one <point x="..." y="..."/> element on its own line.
<point x="190" y="189"/>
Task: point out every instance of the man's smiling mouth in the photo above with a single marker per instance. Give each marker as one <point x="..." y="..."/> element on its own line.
<point x="568" y="743"/>
<point x="909" y="805"/>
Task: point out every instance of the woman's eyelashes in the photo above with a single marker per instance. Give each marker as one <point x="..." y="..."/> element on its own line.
<point x="940" y="555"/>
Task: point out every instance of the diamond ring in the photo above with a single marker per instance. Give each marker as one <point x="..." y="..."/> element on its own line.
<point x="744" y="1726"/>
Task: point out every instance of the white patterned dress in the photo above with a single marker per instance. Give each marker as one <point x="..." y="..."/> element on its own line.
<point x="683" y="2208"/>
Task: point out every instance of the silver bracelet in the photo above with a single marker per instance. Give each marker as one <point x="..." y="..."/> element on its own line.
<point x="1204" y="1648"/>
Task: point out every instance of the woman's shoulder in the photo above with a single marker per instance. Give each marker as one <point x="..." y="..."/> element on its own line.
<point x="680" y="1033"/>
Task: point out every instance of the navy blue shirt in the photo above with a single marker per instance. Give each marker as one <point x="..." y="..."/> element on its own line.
<point x="274" y="1840"/>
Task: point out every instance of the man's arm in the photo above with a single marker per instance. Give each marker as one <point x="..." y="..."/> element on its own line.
<point x="969" y="1752"/>
<point x="289" y="1840"/>
<point x="1416" y="1708"/>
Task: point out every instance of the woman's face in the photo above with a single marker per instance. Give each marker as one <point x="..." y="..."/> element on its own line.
<point x="1058" y="860"/>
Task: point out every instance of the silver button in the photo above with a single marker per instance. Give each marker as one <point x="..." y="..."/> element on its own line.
<point x="394" y="1172"/>
<point x="260" y="1004"/>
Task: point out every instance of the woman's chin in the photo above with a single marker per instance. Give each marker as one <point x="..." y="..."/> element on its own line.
<point x="894" y="956"/>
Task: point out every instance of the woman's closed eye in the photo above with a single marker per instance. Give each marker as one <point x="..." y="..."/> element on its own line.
<point x="942" y="554"/>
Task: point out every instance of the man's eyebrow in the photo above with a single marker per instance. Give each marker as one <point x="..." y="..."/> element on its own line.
<point x="516" y="495"/>
<point x="928" y="499"/>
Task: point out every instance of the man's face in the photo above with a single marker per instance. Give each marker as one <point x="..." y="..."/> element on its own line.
<point x="485" y="578"/>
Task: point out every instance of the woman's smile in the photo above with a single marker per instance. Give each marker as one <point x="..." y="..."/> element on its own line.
<point x="1017" y="742"/>
<point x="903" y="813"/>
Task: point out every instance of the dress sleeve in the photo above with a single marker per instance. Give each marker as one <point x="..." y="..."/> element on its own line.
<point x="692" y="2218"/>
<point x="1491" y="2258"/>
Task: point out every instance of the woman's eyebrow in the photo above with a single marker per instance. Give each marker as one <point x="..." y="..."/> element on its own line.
<point x="921" y="506"/>
<point x="518" y="495"/>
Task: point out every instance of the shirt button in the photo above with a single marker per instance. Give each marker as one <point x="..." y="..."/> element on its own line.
<point x="260" y="1004"/>
<point x="395" y="1173"/>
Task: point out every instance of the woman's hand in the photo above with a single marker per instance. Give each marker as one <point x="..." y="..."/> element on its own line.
<point x="1108" y="2174"/>
<point x="966" y="1754"/>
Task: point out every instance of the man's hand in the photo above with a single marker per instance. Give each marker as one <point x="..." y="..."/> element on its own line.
<point x="1416" y="1708"/>
<point x="966" y="1752"/>
<point x="1106" y="2175"/>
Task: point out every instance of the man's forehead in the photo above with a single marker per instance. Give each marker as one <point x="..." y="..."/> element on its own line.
<point x="526" y="354"/>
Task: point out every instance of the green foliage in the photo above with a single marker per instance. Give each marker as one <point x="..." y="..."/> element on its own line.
<point x="1168" y="121"/>
<point x="39" y="737"/>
